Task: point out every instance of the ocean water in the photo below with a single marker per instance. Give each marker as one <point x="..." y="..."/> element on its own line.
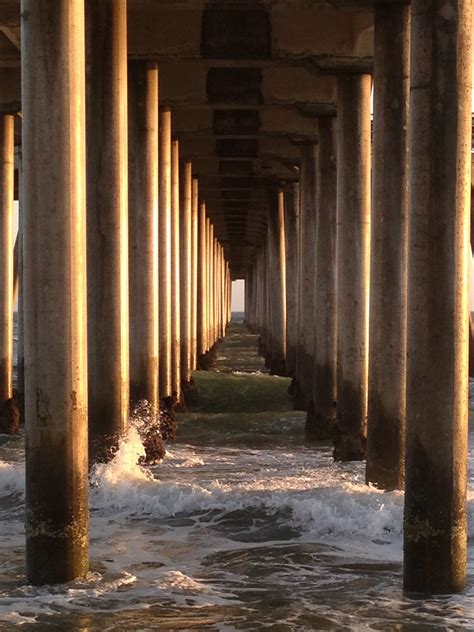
<point x="242" y="527"/>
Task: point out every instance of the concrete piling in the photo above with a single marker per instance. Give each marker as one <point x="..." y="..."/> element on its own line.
<point x="353" y="262"/>
<point x="164" y="254"/>
<point x="7" y="123"/>
<point x="19" y="392"/>
<point x="194" y="271"/>
<point x="210" y="287"/>
<point x="291" y="251"/>
<point x="186" y="248"/>
<point x="54" y="203"/>
<point x="107" y="225"/>
<point x="277" y="280"/>
<point x="320" y="422"/>
<point x="202" y="284"/>
<point x="175" y="276"/>
<point x="438" y="309"/>
<point x="143" y="225"/>
<point x="305" y="353"/>
<point x="388" y="282"/>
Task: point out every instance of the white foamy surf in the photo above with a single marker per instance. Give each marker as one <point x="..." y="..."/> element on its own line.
<point x="229" y="534"/>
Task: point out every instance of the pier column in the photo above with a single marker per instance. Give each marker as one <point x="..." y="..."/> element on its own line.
<point x="7" y="169"/>
<point x="307" y="271"/>
<point x="265" y="336"/>
<point x="320" y="422"/>
<point x="229" y="294"/>
<point x="291" y="252"/>
<point x="277" y="269"/>
<point x="388" y="283"/>
<point x="223" y="290"/>
<point x="194" y="271"/>
<point x="249" y="289"/>
<point x="210" y="285"/>
<point x="57" y="513"/>
<point x="175" y="275"/>
<point x="215" y="290"/>
<point x="438" y="297"/>
<point x="202" y="283"/>
<point x="143" y="214"/>
<point x="20" y="366"/>
<point x="164" y="254"/>
<point x="186" y="276"/>
<point x="353" y="261"/>
<point x="107" y="225"/>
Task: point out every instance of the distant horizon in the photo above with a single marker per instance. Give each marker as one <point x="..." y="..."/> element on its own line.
<point x="238" y="296"/>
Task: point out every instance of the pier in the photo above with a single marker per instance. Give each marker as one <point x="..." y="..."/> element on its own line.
<point x="159" y="151"/>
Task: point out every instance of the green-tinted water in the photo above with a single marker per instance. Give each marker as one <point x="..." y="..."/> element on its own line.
<point x="243" y="527"/>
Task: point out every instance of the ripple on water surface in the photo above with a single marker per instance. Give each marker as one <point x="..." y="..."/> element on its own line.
<point x="242" y="527"/>
<point x="228" y="538"/>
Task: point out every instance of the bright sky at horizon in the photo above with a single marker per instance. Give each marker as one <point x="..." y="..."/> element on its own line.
<point x="238" y="296"/>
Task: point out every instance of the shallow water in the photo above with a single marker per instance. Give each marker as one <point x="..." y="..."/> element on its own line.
<point x="243" y="527"/>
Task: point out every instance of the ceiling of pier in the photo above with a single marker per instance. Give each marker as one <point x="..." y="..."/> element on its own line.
<point x="246" y="81"/>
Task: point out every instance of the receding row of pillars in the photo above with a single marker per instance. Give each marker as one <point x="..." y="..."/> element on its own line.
<point x="375" y="243"/>
<point x="124" y="286"/>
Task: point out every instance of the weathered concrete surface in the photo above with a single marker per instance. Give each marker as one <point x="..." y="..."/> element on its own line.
<point x="107" y="225"/>
<point x="277" y="289"/>
<point x="143" y="221"/>
<point x="186" y="281"/>
<point x="353" y="262"/>
<point x="321" y="419"/>
<point x="7" y="123"/>
<point x="164" y="254"/>
<point x="388" y="279"/>
<point x="305" y="353"/>
<point x="202" y="343"/>
<point x="175" y="275"/>
<point x="438" y="308"/>
<point x="57" y="512"/>
<point x="194" y="271"/>
<point x="292" y="212"/>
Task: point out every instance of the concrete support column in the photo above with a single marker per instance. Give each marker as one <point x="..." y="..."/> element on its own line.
<point x="194" y="270"/>
<point x="265" y="309"/>
<point x="388" y="282"/>
<point x="229" y="295"/>
<point x="7" y="169"/>
<point x="210" y="285"/>
<point x="248" y="297"/>
<point x="438" y="297"/>
<point x="20" y="367"/>
<point x="223" y="289"/>
<point x="295" y="388"/>
<point x="186" y="275"/>
<point x="57" y="513"/>
<point x="307" y="272"/>
<point x="216" y="290"/>
<point x="257" y="286"/>
<point x="164" y="254"/>
<point x="353" y="263"/>
<point x="143" y="224"/>
<point x="291" y="251"/>
<point x="175" y="275"/>
<point x="107" y="225"/>
<point x="265" y="336"/>
<point x="277" y="269"/>
<point x="202" y="283"/>
<point x="320" y="423"/>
